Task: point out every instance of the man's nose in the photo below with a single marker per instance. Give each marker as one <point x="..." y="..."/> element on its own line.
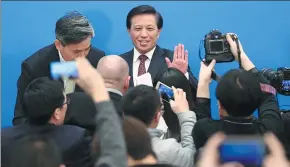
<point x="144" y="33"/>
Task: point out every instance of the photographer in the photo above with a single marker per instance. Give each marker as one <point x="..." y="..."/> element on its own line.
<point x="239" y="94"/>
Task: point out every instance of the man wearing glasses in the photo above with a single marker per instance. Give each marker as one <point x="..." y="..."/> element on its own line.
<point x="73" y="34"/>
<point x="46" y="108"/>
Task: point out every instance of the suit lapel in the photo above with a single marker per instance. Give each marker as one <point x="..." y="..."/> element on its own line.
<point x="157" y="62"/>
<point x="53" y="57"/>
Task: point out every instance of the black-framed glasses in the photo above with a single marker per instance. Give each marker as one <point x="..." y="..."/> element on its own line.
<point x="67" y="101"/>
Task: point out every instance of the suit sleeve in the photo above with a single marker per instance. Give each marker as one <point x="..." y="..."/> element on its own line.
<point x="25" y="78"/>
<point x="192" y="79"/>
<point x="109" y="129"/>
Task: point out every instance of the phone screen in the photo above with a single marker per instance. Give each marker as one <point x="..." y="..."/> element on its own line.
<point x="63" y="70"/>
<point x="165" y="91"/>
<point x="244" y="151"/>
<point x="286" y="85"/>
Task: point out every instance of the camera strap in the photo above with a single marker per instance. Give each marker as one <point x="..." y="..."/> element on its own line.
<point x="239" y="52"/>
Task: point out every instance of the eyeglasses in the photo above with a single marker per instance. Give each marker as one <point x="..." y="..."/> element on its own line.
<point x="67" y="101"/>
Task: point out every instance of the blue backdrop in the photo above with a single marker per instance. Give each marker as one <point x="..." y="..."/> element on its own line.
<point x="263" y="28"/>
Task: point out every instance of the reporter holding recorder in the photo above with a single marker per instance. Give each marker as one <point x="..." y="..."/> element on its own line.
<point x="239" y="94"/>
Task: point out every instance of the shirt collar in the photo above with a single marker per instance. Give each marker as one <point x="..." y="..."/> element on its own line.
<point x="60" y="57"/>
<point x="239" y="120"/>
<point x="115" y="91"/>
<point x="148" y="54"/>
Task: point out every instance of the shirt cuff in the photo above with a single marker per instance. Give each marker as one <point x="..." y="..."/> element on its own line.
<point x="187" y="75"/>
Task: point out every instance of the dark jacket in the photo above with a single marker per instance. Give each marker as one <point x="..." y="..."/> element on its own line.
<point x="73" y="142"/>
<point x="157" y="64"/>
<point x="81" y="110"/>
<point x="38" y="65"/>
<point x="269" y="120"/>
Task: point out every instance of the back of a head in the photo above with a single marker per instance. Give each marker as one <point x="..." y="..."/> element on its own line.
<point x="41" y="98"/>
<point x="34" y="151"/>
<point x="141" y="102"/>
<point x="174" y="77"/>
<point x="137" y="139"/>
<point x="73" y="28"/>
<point x="239" y="93"/>
<point x="81" y="111"/>
<point x="114" y="69"/>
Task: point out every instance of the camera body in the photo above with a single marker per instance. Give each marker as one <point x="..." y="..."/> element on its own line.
<point x="279" y="79"/>
<point x="217" y="47"/>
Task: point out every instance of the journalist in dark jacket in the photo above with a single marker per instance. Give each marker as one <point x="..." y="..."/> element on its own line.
<point x="239" y="92"/>
<point x="45" y="107"/>
<point x="73" y="39"/>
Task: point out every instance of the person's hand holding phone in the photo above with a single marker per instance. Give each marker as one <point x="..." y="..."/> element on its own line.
<point x="180" y="103"/>
<point x="276" y="156"/>
<point x="210" y="154"/>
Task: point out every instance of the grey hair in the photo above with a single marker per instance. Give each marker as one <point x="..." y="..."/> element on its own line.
<point x="73" y="28"/>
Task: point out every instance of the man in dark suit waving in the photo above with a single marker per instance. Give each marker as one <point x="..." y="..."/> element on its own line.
<point x="144" y="25"/>
<point x="73" y="34"/>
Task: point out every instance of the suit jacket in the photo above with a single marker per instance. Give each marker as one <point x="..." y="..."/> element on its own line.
<point x="157" y="64"/>
<point x="73" y="142"/>
<point x="82" y="111"/>
<point x="38" y="65"/>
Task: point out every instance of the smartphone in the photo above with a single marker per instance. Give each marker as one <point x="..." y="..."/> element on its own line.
<point x="63" y="70"/>
<point x="165" y="91"/>
<point x="247" y="150"/>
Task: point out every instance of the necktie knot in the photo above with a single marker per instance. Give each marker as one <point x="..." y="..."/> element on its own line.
<point x="143" y="58"/>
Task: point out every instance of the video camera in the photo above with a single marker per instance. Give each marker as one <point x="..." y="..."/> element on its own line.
<point x="279" y="79"/>
<point x="217" y="47"/>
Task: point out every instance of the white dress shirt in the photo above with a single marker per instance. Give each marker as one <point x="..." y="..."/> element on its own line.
<point x="136" y="61"/>
<point x="69" y="85"/>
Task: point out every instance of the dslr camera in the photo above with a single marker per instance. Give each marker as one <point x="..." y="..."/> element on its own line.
<point x="217" y="47"/>
<point x="279" y="79"/>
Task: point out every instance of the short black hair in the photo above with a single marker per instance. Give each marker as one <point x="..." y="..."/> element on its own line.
<point x="174" y="77"/>
<point x="41" y="98"/>
<point x="137" y="138"/>
<point x="141" y="102"/>
<point x="239" y="92"/>
<point x="73" y="28"/>
<point x="144" y="9"/>
<point x="34" y="150"/>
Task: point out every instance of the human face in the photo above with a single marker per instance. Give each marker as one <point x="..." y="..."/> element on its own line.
<point x="71" y="51"/>
<point x="144" y="32"/>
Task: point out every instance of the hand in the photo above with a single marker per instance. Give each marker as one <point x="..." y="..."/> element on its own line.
<point x="180" y="103"/>
<point x="233" y="46"/>
<point x="91" y="81"/>
<point x="205" y="72"/>
<point x="210" y="155"/>
<point x="180" y="59"/>
<point x="277" y="154"/>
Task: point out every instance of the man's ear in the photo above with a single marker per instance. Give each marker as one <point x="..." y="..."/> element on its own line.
<point x="159" y="31"/>
<point x="56" y="114"/>
<point x="157" y="116"/>
<point x="220" y="109"/>
<point x="57" y="44"/>
<point x="127" y="83"/>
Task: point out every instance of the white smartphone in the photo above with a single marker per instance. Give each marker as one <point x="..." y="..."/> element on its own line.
<point x="144" y="79"/>
<point x="165" y="91"/>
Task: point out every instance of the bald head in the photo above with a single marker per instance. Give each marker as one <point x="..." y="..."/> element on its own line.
<point x="114" y="69"/>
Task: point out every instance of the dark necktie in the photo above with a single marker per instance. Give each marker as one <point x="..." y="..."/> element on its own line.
<point x="142" y="68"/>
